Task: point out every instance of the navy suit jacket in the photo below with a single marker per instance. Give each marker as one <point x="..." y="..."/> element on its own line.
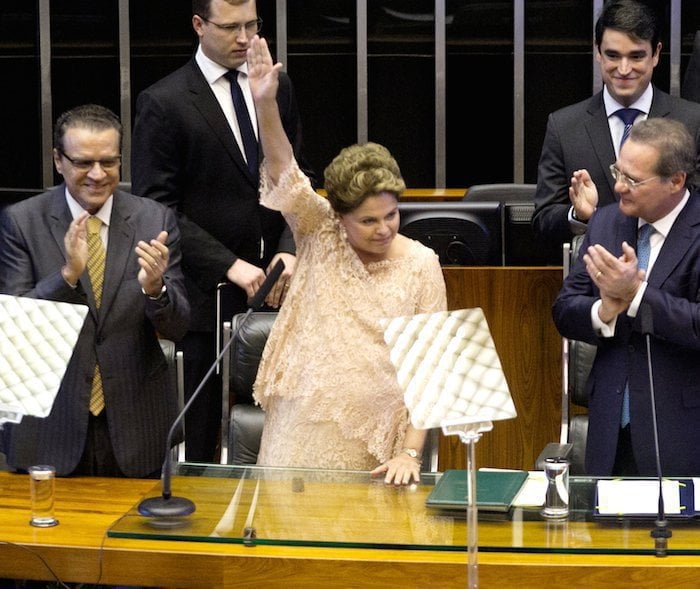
<point x="184" y="155"/>
<point x="673" y="296"/>
<point x="578" y="136"/>
<point x="140" y="401"/>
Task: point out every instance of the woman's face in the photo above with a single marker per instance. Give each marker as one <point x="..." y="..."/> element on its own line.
<point x="372" y="226"/>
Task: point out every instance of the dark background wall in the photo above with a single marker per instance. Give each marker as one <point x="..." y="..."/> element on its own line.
<point x="321" y="58"/>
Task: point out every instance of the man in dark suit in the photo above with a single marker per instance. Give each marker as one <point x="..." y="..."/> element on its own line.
<point x="608" y="301"/>
<point x="587" y="135"/>
<point x="117" y="361"/>
<point x="187" y="153"/>
<point x="691" y="80"/>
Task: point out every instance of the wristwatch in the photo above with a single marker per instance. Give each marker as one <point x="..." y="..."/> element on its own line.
<point x="159" y="296"/>
<point x="412" y="452"/>
<point x="575" y="217"/>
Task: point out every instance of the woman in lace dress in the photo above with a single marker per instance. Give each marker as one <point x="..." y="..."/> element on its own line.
<point x="326" y="382"/>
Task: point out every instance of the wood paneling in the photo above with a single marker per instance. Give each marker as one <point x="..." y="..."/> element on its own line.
<point x="517" y="305"/>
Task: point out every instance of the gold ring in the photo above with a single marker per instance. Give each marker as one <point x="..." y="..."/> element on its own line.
<point x="598" y="274"/>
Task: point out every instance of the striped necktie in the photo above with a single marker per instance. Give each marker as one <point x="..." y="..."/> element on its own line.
<point x="643" y="253"/>
<point x="627" y="115"/>
<point x="96" y="271"/>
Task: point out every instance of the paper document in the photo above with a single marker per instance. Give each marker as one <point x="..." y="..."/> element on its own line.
<point x="533" y="491"/>
<point x="620" y="496"/>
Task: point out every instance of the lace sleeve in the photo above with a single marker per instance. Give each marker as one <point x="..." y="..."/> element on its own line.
<point x="432" y="297"/>
<point x="294" y="197"/>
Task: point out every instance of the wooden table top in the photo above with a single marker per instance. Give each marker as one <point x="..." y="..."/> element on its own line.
<point x="82" y="548"/>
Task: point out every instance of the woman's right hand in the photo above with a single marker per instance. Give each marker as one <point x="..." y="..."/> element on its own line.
<point x="263" y="75"/>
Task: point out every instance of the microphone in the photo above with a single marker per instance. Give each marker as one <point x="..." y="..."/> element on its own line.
<point x="167" y="505"/>
<point x="661" y="533"/>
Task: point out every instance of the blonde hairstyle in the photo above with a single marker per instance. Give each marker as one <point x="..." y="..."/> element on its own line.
<point x="360" y="171"/>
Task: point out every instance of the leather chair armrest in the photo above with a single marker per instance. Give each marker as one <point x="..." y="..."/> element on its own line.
<point x="245" y="431"/>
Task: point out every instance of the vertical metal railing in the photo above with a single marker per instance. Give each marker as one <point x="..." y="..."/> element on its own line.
<point x="125" y="86"/>
<point x="440" y="118"/>
<point x="45" y="92"/>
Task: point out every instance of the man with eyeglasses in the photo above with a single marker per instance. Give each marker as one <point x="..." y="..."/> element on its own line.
<point x="623" y="288"/>
<point x="188" y="152"/>
<point x="587" y="135"/>
<point x="89" y="243"/>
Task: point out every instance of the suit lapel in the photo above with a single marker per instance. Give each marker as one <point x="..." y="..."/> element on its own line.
<point x="119" y="252"/>
<point x="205" y="102"/>
<point x="678" y="241"/>
<point x="61" y="219"/>
<point x="660" y="105"/>
<point x="598" y="130"/>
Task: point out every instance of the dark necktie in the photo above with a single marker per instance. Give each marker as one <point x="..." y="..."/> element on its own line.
<point x="643" y="253"/>
<point x="628" y="115"/>
<point x="96" y="272"/>
<point x="250" y="143"/>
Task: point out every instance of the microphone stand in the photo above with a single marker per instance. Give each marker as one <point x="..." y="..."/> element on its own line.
<point x="167" y="505"/>
<point x="661" y="532"/>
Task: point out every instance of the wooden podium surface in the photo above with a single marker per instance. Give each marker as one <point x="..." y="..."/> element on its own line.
<point x="82" y="549"/>
<point x="517" y="304"/>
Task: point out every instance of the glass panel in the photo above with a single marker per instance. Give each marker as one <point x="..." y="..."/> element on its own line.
<point x="401" y="84"/>
<point x="20" y="149"/>
<point x="304" y="507"/>
<point x="162" y="40"/>
<point x="322" y="60"/>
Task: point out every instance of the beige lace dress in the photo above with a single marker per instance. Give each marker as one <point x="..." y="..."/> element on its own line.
<point x="326" y="382"/>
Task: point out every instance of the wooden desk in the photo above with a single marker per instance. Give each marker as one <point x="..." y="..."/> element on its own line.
<point x="426" y="194"/>
<point x="517" y="303"/>
<point x="433" y="194"/>
<point x="78" y="550"/>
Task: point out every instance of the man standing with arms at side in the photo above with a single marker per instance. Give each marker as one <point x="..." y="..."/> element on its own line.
<point x="87" y="242"/>
<point x="189" y="152"/>
<point x="587" y="135"/>
<point x="638" y="274"/>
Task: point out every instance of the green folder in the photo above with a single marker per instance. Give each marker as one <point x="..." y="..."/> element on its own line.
<point x="495" y="489"/>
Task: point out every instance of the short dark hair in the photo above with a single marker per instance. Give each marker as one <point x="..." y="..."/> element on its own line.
<point x="91" y="116"/>
<point x="203" y="7"/>
<point x="636" y="19"/>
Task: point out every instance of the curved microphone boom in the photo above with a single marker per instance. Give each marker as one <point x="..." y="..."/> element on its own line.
<point x="661" y="532"/>
<point x="166" y="505"/>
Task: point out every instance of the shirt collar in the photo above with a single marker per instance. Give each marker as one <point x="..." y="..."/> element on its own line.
<point x="104" y="214"/>
<point x="643" y="103"/>
<point x="213" y="71"/>
<point x="663" y="225"/>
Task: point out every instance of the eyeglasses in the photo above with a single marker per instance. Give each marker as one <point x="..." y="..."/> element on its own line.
<point x="625" y="179"/>
<point x="251" y="27"/>
<point x="108" y="163"/>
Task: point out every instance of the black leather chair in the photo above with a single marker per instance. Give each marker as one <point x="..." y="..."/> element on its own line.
<point x="243" y="423"/>
<point x="505" y="192"/>
<point x="177" y="375"/>
<point x="521" y="247"/>
<point x="577" y="359"/>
